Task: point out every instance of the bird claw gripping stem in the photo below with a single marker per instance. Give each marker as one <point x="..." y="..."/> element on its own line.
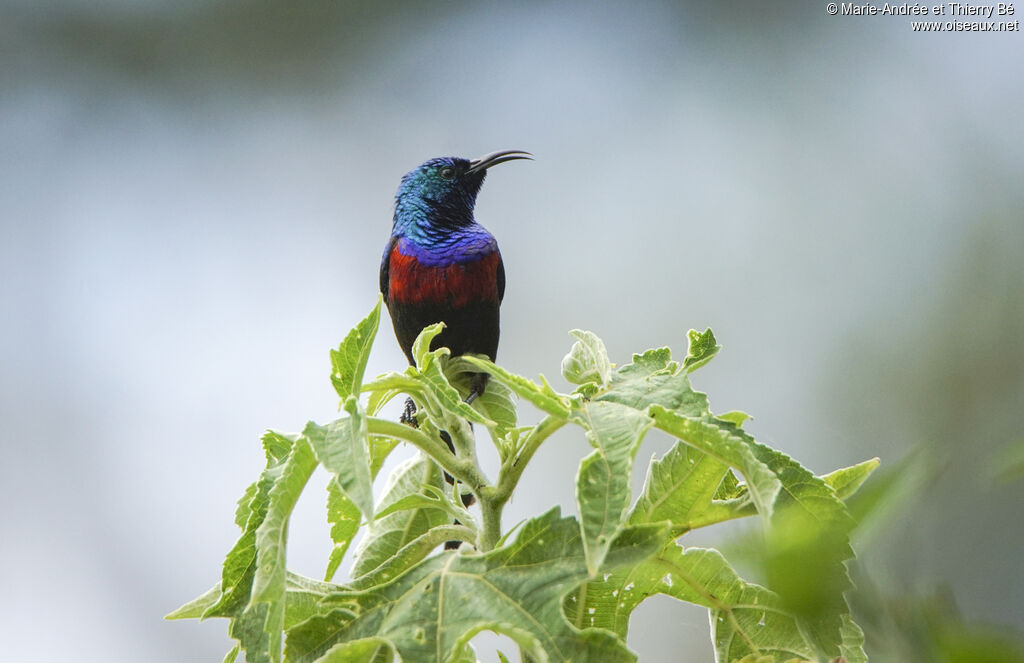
<point x="408" y="416"/>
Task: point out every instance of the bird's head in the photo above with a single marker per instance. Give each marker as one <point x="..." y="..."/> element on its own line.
<point x="444" y="190"/>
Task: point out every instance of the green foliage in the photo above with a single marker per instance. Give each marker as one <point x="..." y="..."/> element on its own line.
<point x="927" y="628"/>
<point x="562" y="587"/>
<point x="603" y="483"/>
<point x="587" y="361"/>
<point x="348" y="362"/>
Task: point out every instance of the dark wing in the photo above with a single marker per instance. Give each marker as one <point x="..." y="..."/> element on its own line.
<point x="385" y="268"/>
<point x="501" y="279"/>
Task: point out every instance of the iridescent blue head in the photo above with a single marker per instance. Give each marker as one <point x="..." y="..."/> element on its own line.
<point x="441" y="193"/>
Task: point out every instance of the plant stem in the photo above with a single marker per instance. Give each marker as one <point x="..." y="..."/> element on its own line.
<point x="464" y="469"/>
<point x="513" y="468"/>
<point x="462" y="436"/>
<point x="493" y="499"/>
<point x="490" y="529"/>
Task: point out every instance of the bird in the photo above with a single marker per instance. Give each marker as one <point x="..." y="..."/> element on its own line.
<point x="440" y="265"/>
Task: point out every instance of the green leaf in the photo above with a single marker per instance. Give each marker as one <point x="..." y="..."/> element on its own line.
<point x="421" y="346"/>
<point x="381" y="447"/>
<point x="730" y="488"/>
<point x="542" y="396"/>
<point x="195" y="608"/>
<point x="391" y="533"/>
<point x="810" y="526"/>
<point x="728" y="444"/>
<point x="430" y="498"/>
<point x="344" y="518"/>
<point x="495" y="403"/>
<point x="654" y="379"/>
<point x="735" y="417"/>
<point x="434" y="382"/>
<point x="303" y="597"/>
<point x="261" y="624"/>
<point x="414" y="501"/>
<point x="587" y="361"/>
<point x="232" y="655"/>
<point x="342" y="513"/>
<point x="277" y="446"/>
<point x="379" y="398"/>
<point x="603" y="483"/>
<point x="803" y="563"/>
<point x="252" y="581"/>
<point x="852" y="646"/>
<point x="272" y="534"/>
<point x="703" y="349"/>
<point x="730" y="499"/>
<point x="410" y="555"/>
<point x="240" y="564"/>
<point x="348" y="362"/>
<point x="341" y="447"/>
<point x="847" y="480"/>
<point x="391" y="382"/>
<point x="364" y="650"/>
<point x="680" y="488"/>
<point x="243" y="510"/>
<point x="807" y="545"/>
<point x="745" y="618"/>
<point x="467" y="655"/>
<point x="434" y="609"/>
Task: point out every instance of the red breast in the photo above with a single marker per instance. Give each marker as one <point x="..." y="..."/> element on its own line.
<point x="457" y="284"/>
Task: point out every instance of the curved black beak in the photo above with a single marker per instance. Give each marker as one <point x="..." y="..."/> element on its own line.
<point x="494" y="158"/>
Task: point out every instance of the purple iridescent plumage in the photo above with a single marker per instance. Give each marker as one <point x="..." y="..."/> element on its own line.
<point x="440" y="265"/>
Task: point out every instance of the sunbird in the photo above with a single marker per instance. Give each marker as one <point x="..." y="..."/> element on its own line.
<point x="440" y="265"/>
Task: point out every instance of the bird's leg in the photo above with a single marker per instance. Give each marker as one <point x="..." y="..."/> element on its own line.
<point x="451" y="447"/>
<point x="467" y="498"/>
<point x="477" y="384"/>
<point x="408" y="417"/>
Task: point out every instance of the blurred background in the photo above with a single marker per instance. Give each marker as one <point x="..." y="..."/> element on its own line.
<point x="194" y="197"/>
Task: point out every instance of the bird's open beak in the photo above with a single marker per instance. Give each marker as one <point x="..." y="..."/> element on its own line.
<point x="494" y="158"/>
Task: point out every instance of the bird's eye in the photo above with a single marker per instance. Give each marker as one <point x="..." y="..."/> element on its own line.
<point x="448" y="173"/>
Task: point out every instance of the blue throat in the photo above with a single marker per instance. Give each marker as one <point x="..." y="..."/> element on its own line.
<point x="434" y="215"/>
<point x="437" y="246"/>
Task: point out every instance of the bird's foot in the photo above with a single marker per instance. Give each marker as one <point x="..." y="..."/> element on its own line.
<point x="477" y="384"/>
<point x="408" y="416"/>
